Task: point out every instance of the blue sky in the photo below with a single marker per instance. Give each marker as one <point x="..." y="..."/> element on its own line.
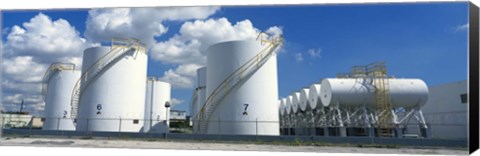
<point x="418" y="40"/>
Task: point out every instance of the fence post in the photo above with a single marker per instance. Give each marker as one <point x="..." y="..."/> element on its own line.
<point x="120" y="125"/>
<point x="1" y="127"/>
<point x="1" y="124"/>
<point x="166" y="129"/>
<point x="58" y="124"/>
<point x="256" y="126"/>
<point x="219" y="126"/>
<point x="313" y="131"/>
<point x="86" y="130"/>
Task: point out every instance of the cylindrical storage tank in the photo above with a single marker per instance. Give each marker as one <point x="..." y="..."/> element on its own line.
<point x="304" y="102"/>
<point x="283" y="106"/>
<point x="357" y="92"/>
<point x="156" y="115"/>
<point x="57" y="100"/>
<point x="295" y="102"/>
<point x="115" y="100"/>
<point x="314" y="96"/>
<point x="288" y="105"/>
<point x="201" y="90"/>
<point x="250" y="108"/>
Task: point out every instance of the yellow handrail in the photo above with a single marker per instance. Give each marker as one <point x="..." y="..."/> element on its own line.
<point x="47" y="74"/>
<point x="258" y="58"/>
<point x="117" y="45"/>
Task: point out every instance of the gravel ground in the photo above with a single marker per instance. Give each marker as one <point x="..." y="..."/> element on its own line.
<point x="192" y="145"/>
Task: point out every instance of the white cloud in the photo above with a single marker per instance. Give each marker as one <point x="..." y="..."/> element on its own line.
<point x="187" y="48"/>
<point x="298" y="57"/>
<point x="176" y="80"/>
<point x="142" y="23"/>
<point x="9" y="86"/>
<point x="175" y="101"/>
<point x="194" y="37"/>
<point x="462" y="27"/>
<point x="23" y="69"/>
<point x="182" y="77"/>
<point x="44" y="39"/>
<point x="314" y="53"/>
<point x="187" y="69"/>
<point x="274" y="31"/>
<point x="29" y="49"/>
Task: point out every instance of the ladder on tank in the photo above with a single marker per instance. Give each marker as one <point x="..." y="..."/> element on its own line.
<point x="57" y="66"/>
<point x="383" y="105"/>
<point x="119" y="47"/>
<point x="205" y="113"/>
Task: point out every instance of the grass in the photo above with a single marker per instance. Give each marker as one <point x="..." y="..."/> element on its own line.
<point x="294" y="142"/>
<point x="86" y="137"/>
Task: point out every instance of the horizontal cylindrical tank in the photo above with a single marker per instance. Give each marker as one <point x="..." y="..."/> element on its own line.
<point x="57" y="99"/>
<point x="304" y="95"/>
<point x="283" y="105"/>
<point x="250" y="108"/>
<point x="295" y="102"/>
<point x="114" y="100"/>
<point x="357" y="92"/>
<point x="288" y="106"/>
<point x="314" y="96"/>
<point x="156" y="114"/>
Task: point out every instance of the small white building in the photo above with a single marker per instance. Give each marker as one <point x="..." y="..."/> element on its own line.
<point x="178" y="115"/>
<point x="446" y="110"/>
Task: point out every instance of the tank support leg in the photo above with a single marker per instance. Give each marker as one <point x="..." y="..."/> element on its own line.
<point x="371" y="132"/>
<point x="325" y="131"/>
<point x="398" y="131"/>
<point x="343" y="131"/>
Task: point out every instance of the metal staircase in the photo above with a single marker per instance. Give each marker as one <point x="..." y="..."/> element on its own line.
<point x="376" y="75"/>
<point x="205" y="113"/>
<point x="119" y="47"/>
<point x="57" y="66"/>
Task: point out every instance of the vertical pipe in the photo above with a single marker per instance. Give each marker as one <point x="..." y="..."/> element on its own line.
<point x="151" y="105"/>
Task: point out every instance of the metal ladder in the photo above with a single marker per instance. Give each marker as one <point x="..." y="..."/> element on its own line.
<point x="383" y="104"/>
<point x="205" y="113"/>
<point x="119" y="47"/>
<point x="56" y="66"/>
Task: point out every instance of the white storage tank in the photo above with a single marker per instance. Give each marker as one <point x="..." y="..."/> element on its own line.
<point x="115" y="100"/>
<point x="304" y="101"/>
<point x="288" y="106"/>
<point x="406" y="93"/>
<point x="60" y="83"/>
<point x="283" y="106"/>
<point x="250" y="108"/>
<point x="314" y="96"/>
<point x="156" y="115"/>
<point x="201" y="90"/>
<point x="295" y="102"/>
